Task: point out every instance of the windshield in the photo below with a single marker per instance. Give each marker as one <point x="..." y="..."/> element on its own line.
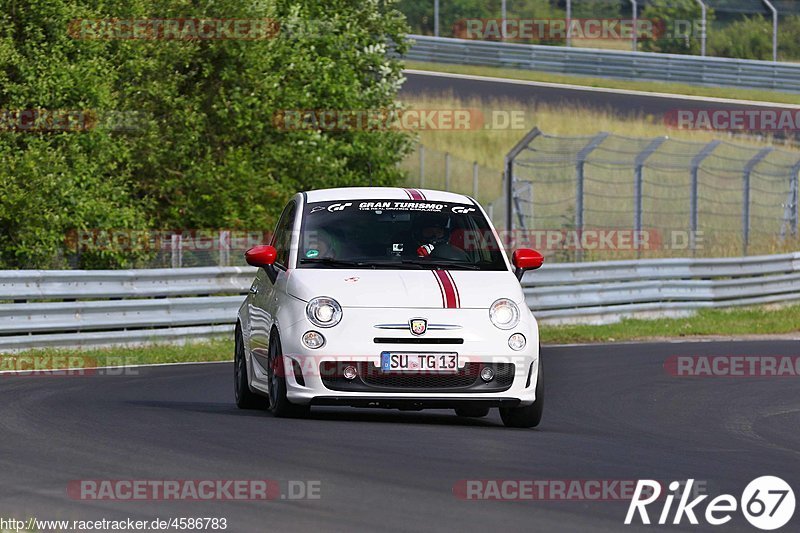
<point x="397" y="234"/>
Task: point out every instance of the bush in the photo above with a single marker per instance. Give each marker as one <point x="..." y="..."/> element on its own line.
<point x="748" y="38"/>
<point x="680" y="21"/>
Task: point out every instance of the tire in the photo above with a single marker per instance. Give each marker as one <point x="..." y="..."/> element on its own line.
<point x="279" y="405"/>
<point x="531" y="415"/>
<point x="245" y="398"/>
<point x="472" y="412"/>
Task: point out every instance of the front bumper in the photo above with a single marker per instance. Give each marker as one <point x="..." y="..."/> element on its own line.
<point x="357" y="341"/>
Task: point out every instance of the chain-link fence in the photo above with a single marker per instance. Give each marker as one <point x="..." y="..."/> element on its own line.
<point x="609" y="196"/>
<point x="428" y="168"/>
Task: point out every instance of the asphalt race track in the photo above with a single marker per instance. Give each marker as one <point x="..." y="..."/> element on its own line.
<point x="621" y="104"/>
<point x="612" y="412"/>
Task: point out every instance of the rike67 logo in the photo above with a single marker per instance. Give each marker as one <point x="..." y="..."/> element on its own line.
<point x="767" y="503"/>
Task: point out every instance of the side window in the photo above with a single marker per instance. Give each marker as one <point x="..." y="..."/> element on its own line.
<point x="282" y="239"/>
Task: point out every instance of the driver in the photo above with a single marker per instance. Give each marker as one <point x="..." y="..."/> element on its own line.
<point x="432" y="233"/>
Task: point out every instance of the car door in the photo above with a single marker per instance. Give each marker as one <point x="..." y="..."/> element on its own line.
<point x="270" y="285"/>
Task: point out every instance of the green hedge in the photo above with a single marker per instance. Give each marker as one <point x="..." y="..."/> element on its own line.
<point x="197" y="147"/>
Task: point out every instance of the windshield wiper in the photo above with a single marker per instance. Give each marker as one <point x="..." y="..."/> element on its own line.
<point x="441" y="264"/>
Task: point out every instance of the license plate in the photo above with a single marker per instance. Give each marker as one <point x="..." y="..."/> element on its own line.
<point x="419" y="362"/>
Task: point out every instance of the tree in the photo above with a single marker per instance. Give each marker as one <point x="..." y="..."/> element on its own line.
<point x="204" y="152"/>
<point x="679" y="26"/>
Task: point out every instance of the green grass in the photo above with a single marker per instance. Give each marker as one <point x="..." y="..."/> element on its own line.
<point x="215" y="350"/>
<point x="765" y="320"/>
<point x="647" y="86"/>
<point x="742" y="321"/>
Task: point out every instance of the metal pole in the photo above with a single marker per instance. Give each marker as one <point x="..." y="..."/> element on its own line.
<point x="508" y="174"/>
<point x="637" y="189"/>
<point x="635" y="27"/>
<point x="447" y="171"/>
<point x="503" y="15"/>
<point x="224" y="240"/>
<point x="176" y="247"/>
<point x="796" y="199"/>
<point x="703" y="27"/>
<point x="748" y="168"/>
<point x="702" y="154"/>
<point x="436" y="18"/>
<point x="579" y="180"/>
<point x="421" y="166"/>
<point x="475" y="179"/>
<point x="790" y="211"/>
<point x="569" y="23"/>
<point x="774" y="29"/>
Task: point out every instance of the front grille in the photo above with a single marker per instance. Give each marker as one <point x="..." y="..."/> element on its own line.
<point x="372" y="379"/>
<point x="415" y="340"/>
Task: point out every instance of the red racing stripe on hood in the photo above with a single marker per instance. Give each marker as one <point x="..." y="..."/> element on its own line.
<point x="447" y="285"/>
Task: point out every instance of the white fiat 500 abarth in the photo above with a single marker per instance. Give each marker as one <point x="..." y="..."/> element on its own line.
<point x="392" y="298"/>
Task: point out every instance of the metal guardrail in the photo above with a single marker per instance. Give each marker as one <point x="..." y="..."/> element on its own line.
<point x="695" y="70"/>
<point x="167" y="305"/>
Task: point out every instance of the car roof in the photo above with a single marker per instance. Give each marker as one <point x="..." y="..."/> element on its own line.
<point x="384" y="193"/>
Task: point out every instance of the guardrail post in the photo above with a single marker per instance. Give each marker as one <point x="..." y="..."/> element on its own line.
<point x="637" y="190"/>
<point x="176" y="248"/>
<point x="579" y="179"/>
<point x="508" y="166"/>
<point x="701" y="155"/>
<point x="421" y="166"/>
<point x="447" y="171"/>
<point x="748" y="169"/>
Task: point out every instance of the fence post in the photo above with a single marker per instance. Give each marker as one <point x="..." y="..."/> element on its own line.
<point x="224" y="240"/>
<point x="421" y="166"/>
<point x="637" y="190"/>
<point x="795" y="188"/>
<point x="748" y="169"/>
<point x="790" y="210"/>
<point x="447" y="171"/>
<point x="581" y="159"/>
<point x="475" y="179"/>
<point x="176" y="248"/>
<point x="508" y="174"/>
<point x="701" y="155"/>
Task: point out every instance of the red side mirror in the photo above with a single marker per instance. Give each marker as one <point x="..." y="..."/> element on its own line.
<point x="527" y="259"/>
<point x="261" y="256"/>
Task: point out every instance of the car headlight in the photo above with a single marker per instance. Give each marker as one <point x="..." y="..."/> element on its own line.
<point x="324" y="312"/>
<point x="504" y="313"/>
